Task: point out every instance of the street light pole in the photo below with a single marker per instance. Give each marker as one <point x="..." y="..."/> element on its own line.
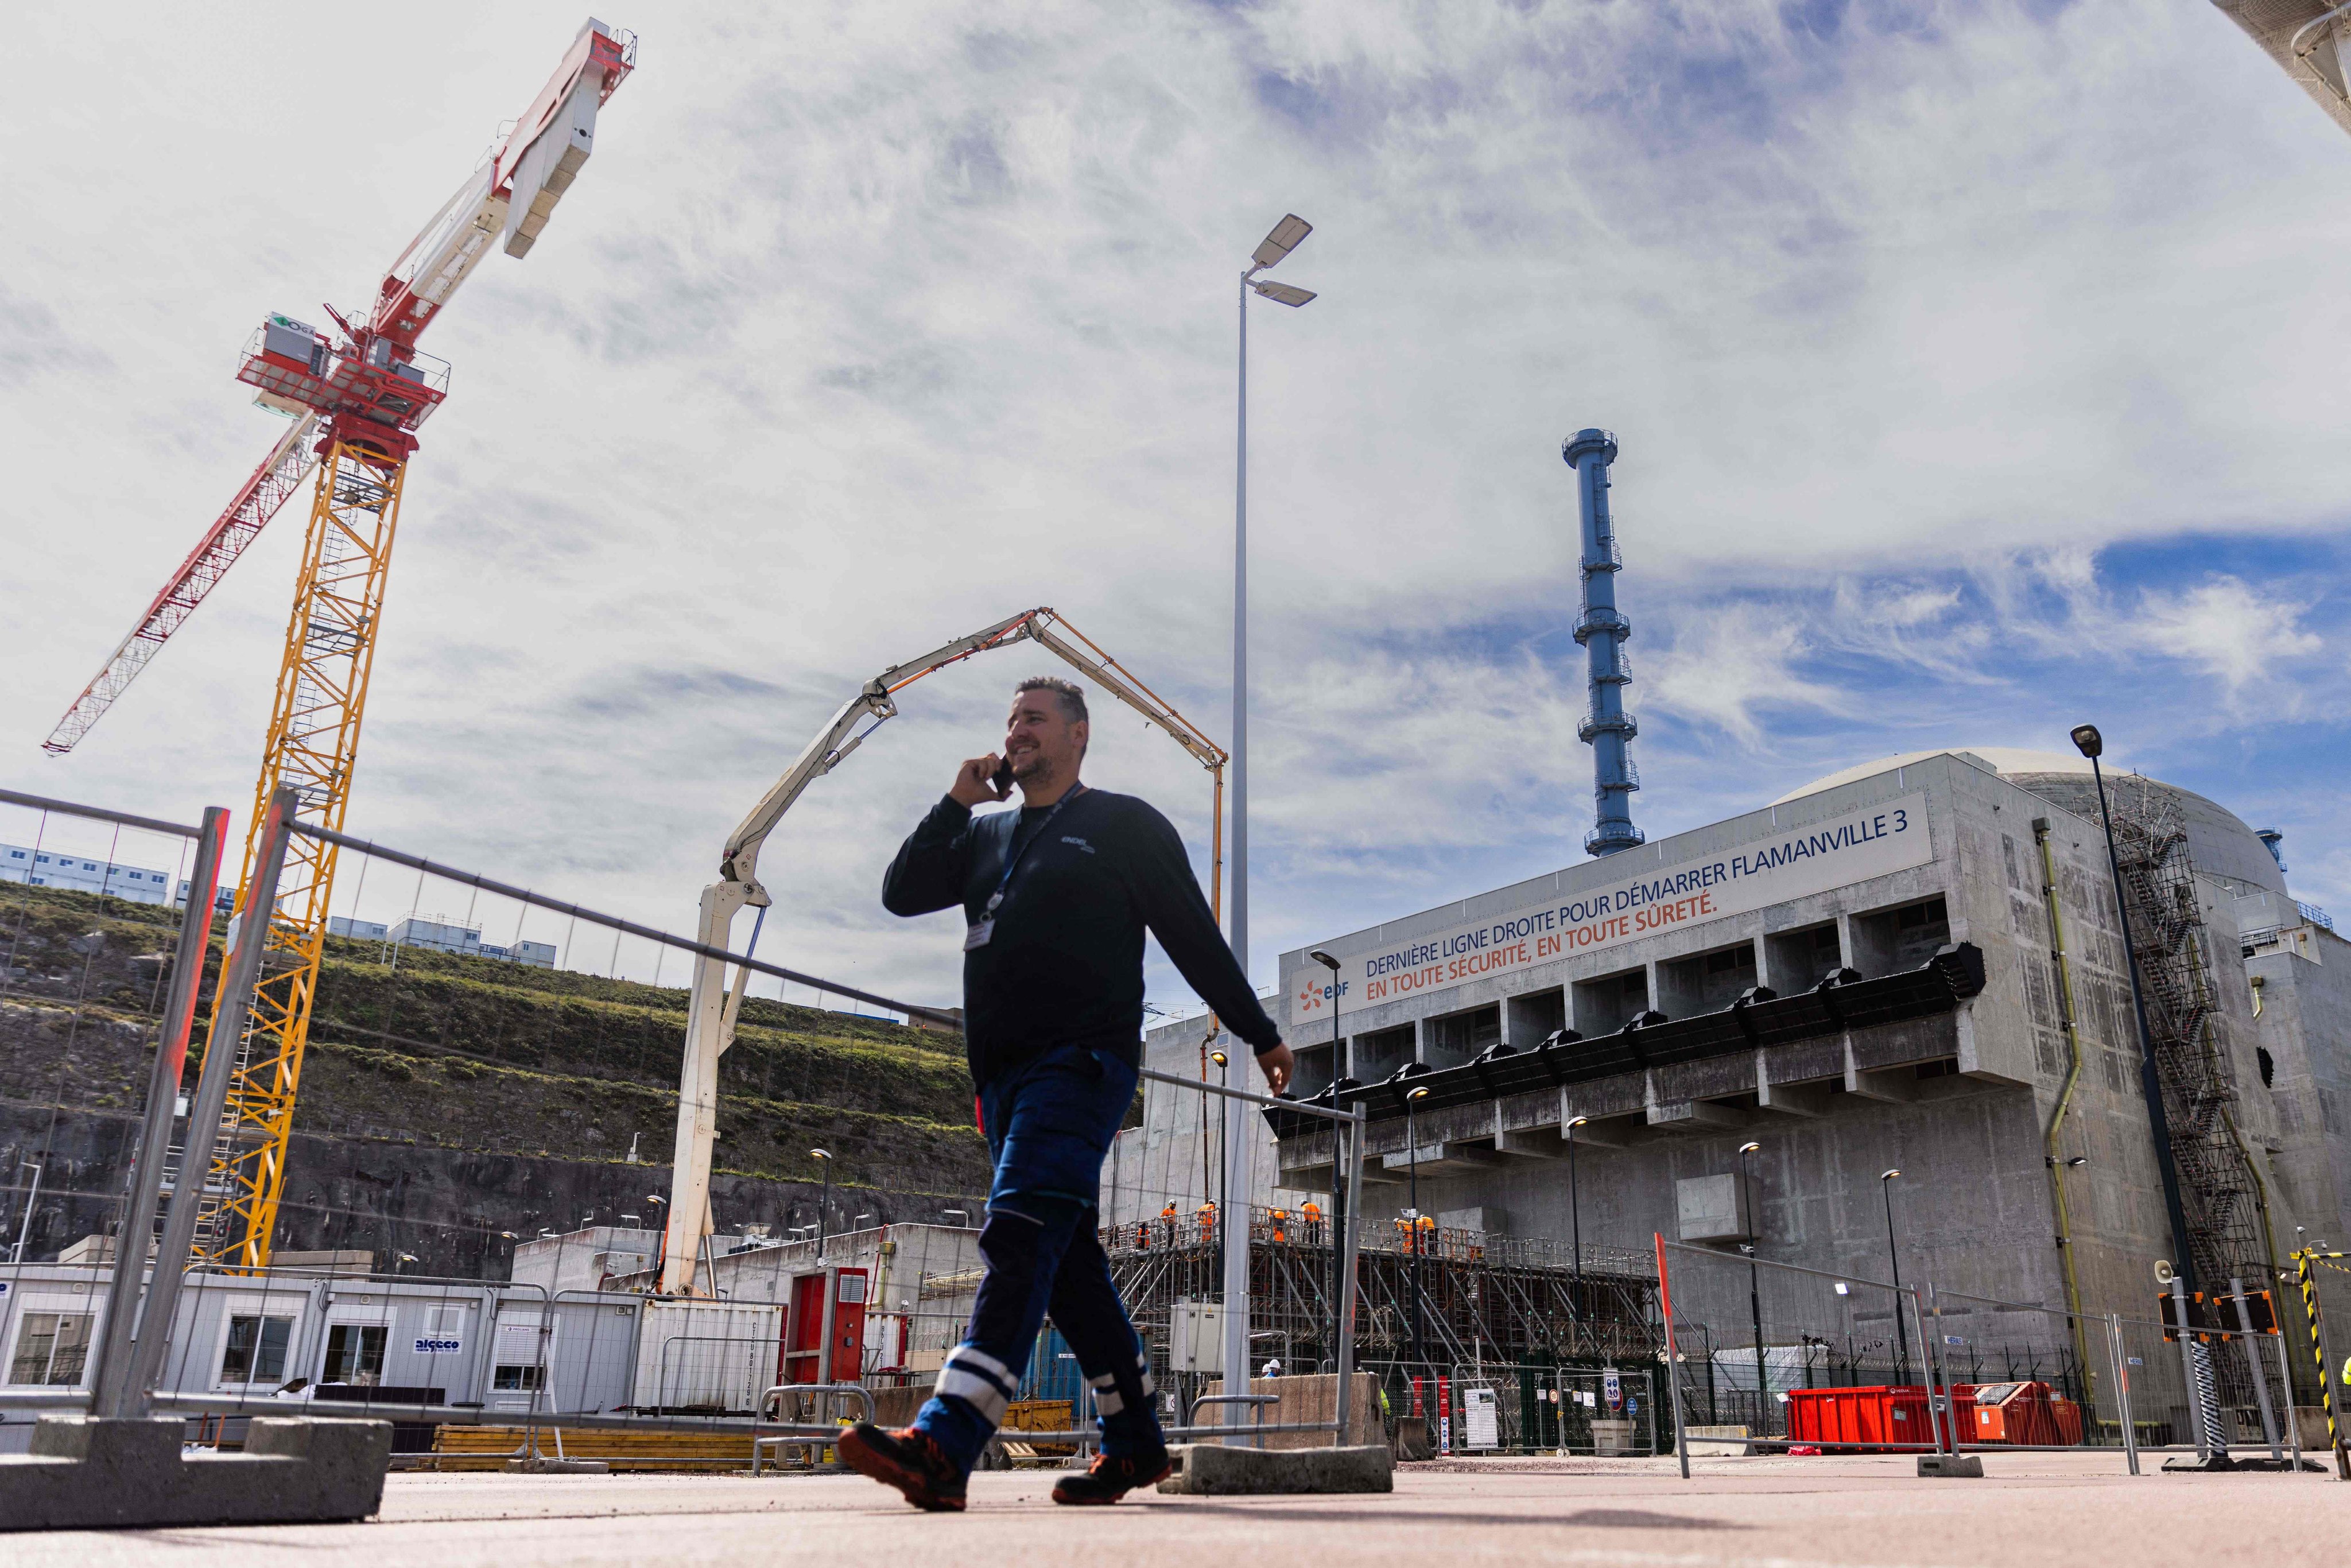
<point x="24" y="1226"/>
<point x="824" y="1199"/>
<point x="1275" y="245"/>
<point x="1338" y="1134"/>
<point x="1576" y="1221"/>
<point x="1412" y="1146"/>
<point x="1894" y="1256"/>
<point x="2092" y="745"/>
<point x="1283" y="239"/>
<point x="1754" y="1286"/>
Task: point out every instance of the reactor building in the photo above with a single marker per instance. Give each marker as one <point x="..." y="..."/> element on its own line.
<point x="1916" y="964"/>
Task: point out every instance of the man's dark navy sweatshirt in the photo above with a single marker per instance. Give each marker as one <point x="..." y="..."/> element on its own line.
<point x="1064" y="965"/>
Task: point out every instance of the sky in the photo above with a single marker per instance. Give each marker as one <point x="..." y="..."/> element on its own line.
<point x="1975" y="367"/>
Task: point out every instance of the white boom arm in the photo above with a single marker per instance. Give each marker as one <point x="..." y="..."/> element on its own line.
<point x="712" y="1007"/>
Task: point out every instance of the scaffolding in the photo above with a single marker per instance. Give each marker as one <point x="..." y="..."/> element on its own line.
<point x="1486" y="1300"/>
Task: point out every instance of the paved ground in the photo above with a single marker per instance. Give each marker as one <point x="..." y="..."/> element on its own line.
<point x="2029" y="1509"/>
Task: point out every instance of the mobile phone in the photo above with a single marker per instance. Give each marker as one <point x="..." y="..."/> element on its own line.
<point x="1002" y="777"/>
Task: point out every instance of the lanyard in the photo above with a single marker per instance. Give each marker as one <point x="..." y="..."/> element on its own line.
<point x="1012" y="862"/>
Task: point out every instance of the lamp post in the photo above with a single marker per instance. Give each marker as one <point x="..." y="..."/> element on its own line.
<point x="1412" y="1220"/>
<point x="2092" y="745"/>
<point x="24" y="1226"/>
<point x="1754" y="1288"/>
<point x="1574" y="1206"/>
<point x="1338" y="1133"/>
<point x="1222" y="1189"/>
<point x="1280" y="243"/>
<point x="1576" y="1221"/>
<point x="1894" y="1256"/>
<point x="824" y="1197"/>
<point x="1283" y="239"/>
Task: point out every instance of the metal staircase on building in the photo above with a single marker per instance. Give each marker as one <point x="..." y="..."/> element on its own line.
<point x="2221" y="1193"/>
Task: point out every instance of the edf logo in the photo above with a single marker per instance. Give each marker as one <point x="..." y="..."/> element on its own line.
<point x="1313" y="997"/>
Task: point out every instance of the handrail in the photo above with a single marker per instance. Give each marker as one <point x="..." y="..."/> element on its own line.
<point x="44" y="803"/>
<point x="796" y="1433"/>
<point x="615" y="922"/>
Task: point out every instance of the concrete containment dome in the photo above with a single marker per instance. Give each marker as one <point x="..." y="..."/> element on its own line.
<point x="2218" y="840"/>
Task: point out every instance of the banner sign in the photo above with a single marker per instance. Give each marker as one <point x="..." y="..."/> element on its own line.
<point x="1871" y="841"/>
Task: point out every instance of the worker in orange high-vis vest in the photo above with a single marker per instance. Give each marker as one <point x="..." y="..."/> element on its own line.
<point x="1312" y="1213"/>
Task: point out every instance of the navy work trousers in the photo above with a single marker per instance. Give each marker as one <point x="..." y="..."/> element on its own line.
<point x="1049" y="1122"/>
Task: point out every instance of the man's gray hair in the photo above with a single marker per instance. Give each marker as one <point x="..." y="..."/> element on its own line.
<point x="1072" y="694"/>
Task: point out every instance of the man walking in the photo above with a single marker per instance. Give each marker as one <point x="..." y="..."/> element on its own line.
<point x="1056" y="898"/>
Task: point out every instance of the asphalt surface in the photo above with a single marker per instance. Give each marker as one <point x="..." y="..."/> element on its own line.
<point x="2029" y="1509"/>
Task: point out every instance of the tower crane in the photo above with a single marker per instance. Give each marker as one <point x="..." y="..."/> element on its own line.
<point x="712" y="1007"/>
<point x="356" y="397"/>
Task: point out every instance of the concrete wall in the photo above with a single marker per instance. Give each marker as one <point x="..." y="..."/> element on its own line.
<point x="2305" y="1025"/>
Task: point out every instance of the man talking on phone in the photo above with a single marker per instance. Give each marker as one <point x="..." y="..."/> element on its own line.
<point x="1056" y="898"/>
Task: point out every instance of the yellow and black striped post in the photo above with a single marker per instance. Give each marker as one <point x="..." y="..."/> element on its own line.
<point x="2311" y="1314"/>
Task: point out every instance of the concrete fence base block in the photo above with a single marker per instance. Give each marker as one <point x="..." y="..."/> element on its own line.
<point x="88" y="1473"/>
<point x="543" y="1466"/>
<point x="1953" y="1464"/>
<point x="1213" y="1470"/>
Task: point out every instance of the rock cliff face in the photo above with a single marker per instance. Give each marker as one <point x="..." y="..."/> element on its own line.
<point x="446" y="1100"/>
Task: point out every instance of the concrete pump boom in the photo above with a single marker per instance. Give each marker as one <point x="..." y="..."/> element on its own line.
<point x="712" y="1007"/>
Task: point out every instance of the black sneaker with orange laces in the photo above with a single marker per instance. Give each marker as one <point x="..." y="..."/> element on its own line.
<point x="908" y="1460"/>
<point x="1109" y="1480"/>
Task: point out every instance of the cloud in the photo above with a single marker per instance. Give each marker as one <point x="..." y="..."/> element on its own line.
<point x="867" y="325"/>
<point x="2235" y="633"/>
<point x="1735" y="666"/>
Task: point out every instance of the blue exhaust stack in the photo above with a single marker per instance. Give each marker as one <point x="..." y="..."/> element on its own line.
<point x="1607" y="729"/>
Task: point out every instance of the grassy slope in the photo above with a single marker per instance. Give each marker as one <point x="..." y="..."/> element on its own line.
<point x="482" y="1054"/>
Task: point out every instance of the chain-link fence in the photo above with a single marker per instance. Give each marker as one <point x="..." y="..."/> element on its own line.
<point x="1780" y="1357"/>
<point x="106" y="950"/>
<point x="433" y="1004"/>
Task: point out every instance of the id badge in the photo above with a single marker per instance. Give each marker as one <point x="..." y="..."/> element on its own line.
<point x="976" y="937"/>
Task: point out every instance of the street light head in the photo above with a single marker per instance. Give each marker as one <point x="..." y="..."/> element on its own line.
<point x="1574" y="1122"/>
<point x="1324" y="959"/>
<point x="2087" y="740"/>
<point x="1283" y="294"/>
<point x="1418" y="1094"/>
<point x="1218" y="1057"/>
<point x="1749" y="1147"/>
<point x="1887" y="1176"/>
<point x="819" y="1155"/>
<point x="1283" y="240"/>
<point x="656" y="1197"/>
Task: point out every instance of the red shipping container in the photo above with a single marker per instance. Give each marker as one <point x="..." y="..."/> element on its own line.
<point x="2026" y="1412"/>
<point x="1861" y="1420"/>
